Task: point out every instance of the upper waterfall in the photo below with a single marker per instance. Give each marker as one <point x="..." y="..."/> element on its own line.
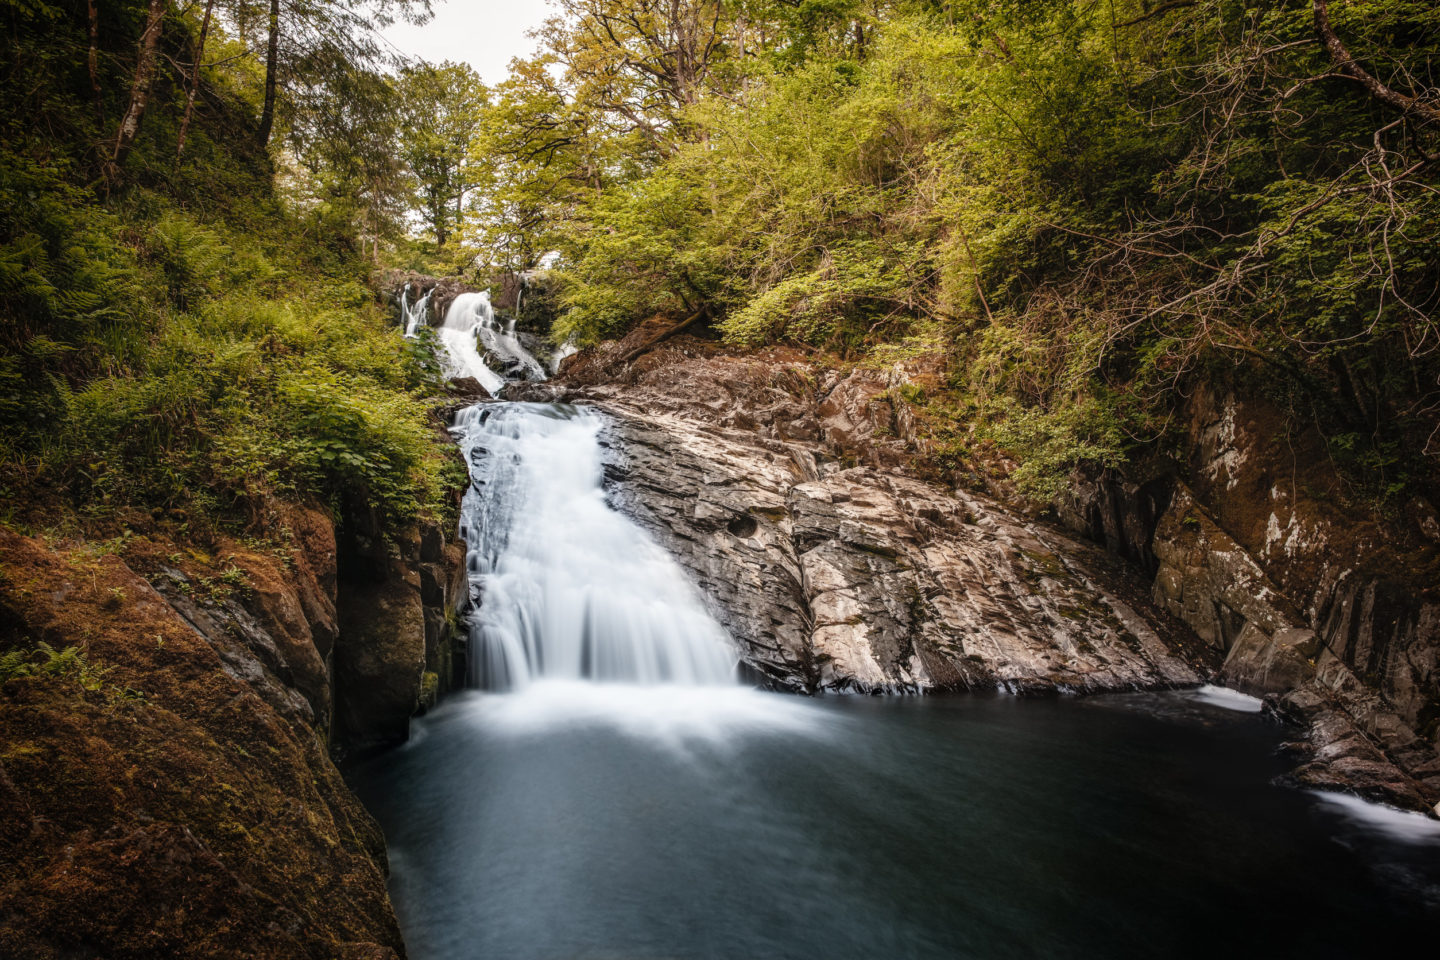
<point x="475" y="344"/>
<point x="457" y="333"/>
<point x="415" y="316"/>
<point x="572" y="589"/>
<point x="471" y="316"/>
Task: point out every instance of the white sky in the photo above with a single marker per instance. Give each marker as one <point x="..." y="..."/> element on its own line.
<point x="487" y="34"/>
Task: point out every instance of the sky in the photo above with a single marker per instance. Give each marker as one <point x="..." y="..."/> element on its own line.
<point x="484" y="33"/>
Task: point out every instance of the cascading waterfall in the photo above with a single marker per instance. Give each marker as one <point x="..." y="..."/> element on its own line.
<point x="468" y="326"/>
<point x="470" y="316"/>
<point x="571" y="589"/>
<point x="462" y="356"/>
<point x="415" y="316"/>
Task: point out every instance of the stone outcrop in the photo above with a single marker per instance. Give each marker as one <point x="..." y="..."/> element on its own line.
<point x="1316" y="602"/>
<point x="795" y="494"/>
<point x="171" y="795"/>
<point x="399" y="599"/>
<point x="784" y="490"/>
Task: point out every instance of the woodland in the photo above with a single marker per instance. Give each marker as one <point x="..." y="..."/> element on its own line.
<point x="1068" y="214"/>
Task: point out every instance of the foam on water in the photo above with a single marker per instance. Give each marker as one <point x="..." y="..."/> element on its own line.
<point x="1229" y="699"/>
<point x="1377" y="818"/>
<point x="675" y="718"/>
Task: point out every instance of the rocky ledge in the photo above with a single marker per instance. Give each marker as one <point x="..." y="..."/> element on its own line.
<point x="784" y="491"/>
<point x="796" y="495"/>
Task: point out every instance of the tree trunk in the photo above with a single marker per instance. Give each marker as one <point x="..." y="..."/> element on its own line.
<point x="140" y="87"/>
<point x="194" y="80"/>
<point x="93" y="62"/>
<point x="272" y="56"/>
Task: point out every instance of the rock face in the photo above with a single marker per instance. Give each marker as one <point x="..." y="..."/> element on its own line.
<point x="783" y="490"/>
<point x="1315" y="602"/>
<point x="398" y="602"/>
<point x="174" y="798"/>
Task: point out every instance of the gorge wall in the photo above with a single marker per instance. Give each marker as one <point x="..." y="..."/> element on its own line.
<point x="174" y="793"/>
<point x="1317" y="601"/>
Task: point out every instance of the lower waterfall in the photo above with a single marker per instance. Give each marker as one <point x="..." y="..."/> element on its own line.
<point x="571" y="589"/>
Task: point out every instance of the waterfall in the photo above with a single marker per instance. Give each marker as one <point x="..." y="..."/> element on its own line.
<point x="416" y="316"/>
<point x="566" y="349"/>
<point x="471" y="318"/>
<point x="570" y="588"/>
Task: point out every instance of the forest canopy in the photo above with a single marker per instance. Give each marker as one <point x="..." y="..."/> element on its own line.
<point x="1077" y="211"/>
<point x="1083" y="206"/>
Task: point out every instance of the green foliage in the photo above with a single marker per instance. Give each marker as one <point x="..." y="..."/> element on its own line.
<point x="162" y="360"/>
<point x="440" y="114"/>
<point x="45" y="661"/>
<point x="1098" y="204"/>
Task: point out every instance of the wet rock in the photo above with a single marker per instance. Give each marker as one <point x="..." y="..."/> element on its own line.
<point x="783" y="491"/>
<point x="398" y="611"/>
<point x="380" y="659"/>
<point x="1359" y="742"/>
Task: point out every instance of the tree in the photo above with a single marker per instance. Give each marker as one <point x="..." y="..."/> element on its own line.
<point x="305" y="38"/>
<point x="141" y="83"/>
<point x="193" y="81"/>
<point x="642" y="62"/>
<point x="441" y="109"/>
<point x="272" y="73"/>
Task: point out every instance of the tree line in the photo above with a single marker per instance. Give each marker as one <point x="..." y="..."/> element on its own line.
<point x="1084" y="208"/>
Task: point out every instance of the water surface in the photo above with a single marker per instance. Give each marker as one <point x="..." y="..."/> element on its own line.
<point x="586" y="820"/>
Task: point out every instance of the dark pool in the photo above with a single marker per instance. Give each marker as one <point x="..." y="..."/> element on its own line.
<point x="585" y="821"/>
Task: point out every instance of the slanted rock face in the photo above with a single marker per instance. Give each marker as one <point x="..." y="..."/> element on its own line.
<point x="782" y="489"/>
<point x="1316" y="601"/>
<point x="872" y="581"/>
<point x="787" y="488"/>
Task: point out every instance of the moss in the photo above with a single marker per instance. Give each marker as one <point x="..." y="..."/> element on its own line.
<point x="429" y="689"/>
<point x="203" y="796"/>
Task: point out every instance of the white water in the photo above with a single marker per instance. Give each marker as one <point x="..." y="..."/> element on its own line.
<point x="571" y="589"/>
<point x="566" y="349"/>
<point x="1386" y="821"/>
<point x="469" y="317"/>
<point x="1229" y="699"/>
<point x="415" y="316"/>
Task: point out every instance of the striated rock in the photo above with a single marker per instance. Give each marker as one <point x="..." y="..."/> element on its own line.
<point x="790" y="492"/>
<point x="872" y="581"/>
<point x="784" y="491"/>
<point x="1318" y="600"/>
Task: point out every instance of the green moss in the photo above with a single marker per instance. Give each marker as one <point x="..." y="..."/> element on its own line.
<point x="429" y="689"/>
